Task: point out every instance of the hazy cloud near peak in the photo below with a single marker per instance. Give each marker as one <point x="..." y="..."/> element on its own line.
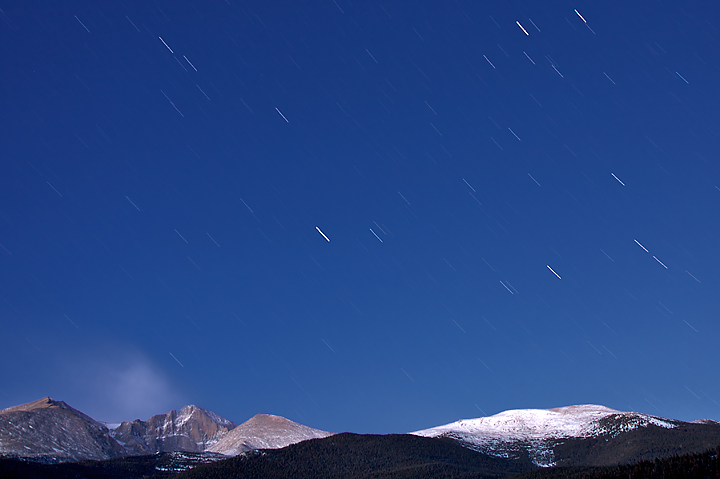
<point x="122" y="385"/>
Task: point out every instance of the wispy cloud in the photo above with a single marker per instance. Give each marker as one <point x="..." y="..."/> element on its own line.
<point x="119" y="385"/>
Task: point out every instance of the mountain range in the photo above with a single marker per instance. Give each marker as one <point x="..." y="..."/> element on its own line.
<point x="511" y="442"/>
<point x="50" y="431"/>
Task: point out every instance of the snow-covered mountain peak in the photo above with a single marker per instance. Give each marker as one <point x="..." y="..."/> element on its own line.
<point x="528" y="424"/>
<point x="537" y="430"/>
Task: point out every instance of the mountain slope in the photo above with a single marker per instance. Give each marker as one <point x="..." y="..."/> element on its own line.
<point x="628" y="438"/>
<point x="264" y="431"/>
<point x="191" y="429"/>
<point x="353" y="456"/>
<point x="687" y="466"/>
<point x="49" y="431"/>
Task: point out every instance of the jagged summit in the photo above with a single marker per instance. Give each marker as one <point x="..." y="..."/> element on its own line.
<point x="190" y="429"/>
<point x="265" y="431"/>
<point x="192" y="410"/>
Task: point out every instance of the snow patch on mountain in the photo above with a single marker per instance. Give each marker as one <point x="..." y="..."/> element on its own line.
<point x="182" y="461"/>
<point x="625" y="422"/>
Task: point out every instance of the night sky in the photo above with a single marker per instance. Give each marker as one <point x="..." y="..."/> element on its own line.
<point x="362" y="216"/>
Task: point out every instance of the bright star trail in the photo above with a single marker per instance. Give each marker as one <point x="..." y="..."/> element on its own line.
<point x="323" y="234"/>
<point x="553" y="272"/>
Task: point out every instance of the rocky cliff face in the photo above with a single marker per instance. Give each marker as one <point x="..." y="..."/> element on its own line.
<point x="191" y="429"/>
<point x="51" y="431"/>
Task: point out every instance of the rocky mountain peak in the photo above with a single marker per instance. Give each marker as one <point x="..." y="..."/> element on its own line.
<point x="190" y="429"/>
<point x="265" y="431"/>
<point x="50" y="431"/>
<point x="46" y="402"/>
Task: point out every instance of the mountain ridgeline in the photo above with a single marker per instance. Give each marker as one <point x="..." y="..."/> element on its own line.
<point x="48" y="438"/>
<point x="51" y="431"/>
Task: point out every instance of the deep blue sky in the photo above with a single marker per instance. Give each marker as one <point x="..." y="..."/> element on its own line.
<point x="165" y="164"/>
